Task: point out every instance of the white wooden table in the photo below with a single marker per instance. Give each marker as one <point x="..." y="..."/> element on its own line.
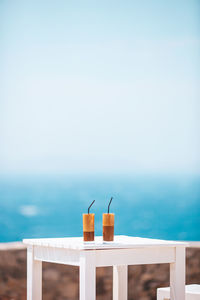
<point x="122" y="252"/>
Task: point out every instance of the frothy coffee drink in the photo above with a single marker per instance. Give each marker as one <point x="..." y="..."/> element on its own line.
<point x="88" y="227"/>
<point x="108" y="227"/>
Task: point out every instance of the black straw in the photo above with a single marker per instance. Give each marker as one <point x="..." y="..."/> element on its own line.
<point x="109" y="205"/>
<point x="90" y="206"/>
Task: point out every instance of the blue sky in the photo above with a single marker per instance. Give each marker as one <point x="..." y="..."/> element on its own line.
<point x="109" y="86"/>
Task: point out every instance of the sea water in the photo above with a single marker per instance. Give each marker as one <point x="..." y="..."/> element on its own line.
<point x="164" y="207"/>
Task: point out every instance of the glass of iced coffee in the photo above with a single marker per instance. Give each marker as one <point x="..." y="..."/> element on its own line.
<point x="88" y="226"/>
<point x="108" y="225"/>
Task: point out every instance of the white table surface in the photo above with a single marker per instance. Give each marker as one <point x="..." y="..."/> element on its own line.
<point x="120" y="242"/>
<point x="124" y="251"/>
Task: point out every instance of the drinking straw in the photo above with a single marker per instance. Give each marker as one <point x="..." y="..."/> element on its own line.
<point x="90" y="206"/>
<point x="109" y="205"/>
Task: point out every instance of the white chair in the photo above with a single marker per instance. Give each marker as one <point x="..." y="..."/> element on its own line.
<point x="192" y="292"/>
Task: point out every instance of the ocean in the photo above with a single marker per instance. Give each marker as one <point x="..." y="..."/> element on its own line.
<point x="164" y="207"/>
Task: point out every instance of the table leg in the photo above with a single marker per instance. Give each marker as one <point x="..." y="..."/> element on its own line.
<point x="87" y="278"/>
<point x="120" y="282"/>
<point x="34" y="276"/>
<point x="177" y="275"/>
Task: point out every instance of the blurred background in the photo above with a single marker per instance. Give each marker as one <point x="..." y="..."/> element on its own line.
<point x="99" y="99"/>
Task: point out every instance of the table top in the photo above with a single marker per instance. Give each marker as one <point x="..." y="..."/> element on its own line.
<point x="120" y="242"/>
